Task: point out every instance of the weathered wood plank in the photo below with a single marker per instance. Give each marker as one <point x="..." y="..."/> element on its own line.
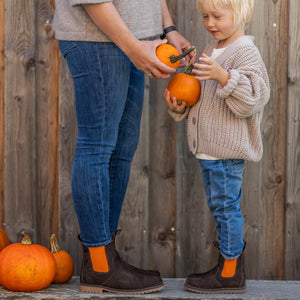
<point x="292" y="230"/>
<point x="195" y="227"/>
<point x="253" y="187"/>
<point x="2" y="100"/>
<point x="68" y="225"/>
<point x="20" y="117"/>
<point x="162" y="183"/>
<point x="162" y="179"/>
<point x="133" y="242"/>
<point x="47" y="81"/>
<point x="264" y="185"/>
<point x="274" y="162"/>
<point x="264" y="182"/>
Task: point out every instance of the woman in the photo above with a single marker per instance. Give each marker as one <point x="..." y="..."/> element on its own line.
<point x="108" y="51"/>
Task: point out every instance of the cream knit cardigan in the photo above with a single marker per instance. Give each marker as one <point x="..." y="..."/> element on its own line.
<point x="225" y="122"/>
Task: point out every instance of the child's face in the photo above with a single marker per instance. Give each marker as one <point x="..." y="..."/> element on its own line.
<point x="220" y="23"/>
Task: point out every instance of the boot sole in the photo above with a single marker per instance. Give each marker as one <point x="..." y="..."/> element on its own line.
<point x="95" y="289"/>
<point x="216" y="291"/>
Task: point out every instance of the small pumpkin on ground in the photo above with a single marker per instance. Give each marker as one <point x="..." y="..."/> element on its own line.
<point x="185" y="87"/>
<point x="4" y="239"/>
<point x="26" y="267"/>
<point x="64" y="262"/>
<point x="170" y="56"/>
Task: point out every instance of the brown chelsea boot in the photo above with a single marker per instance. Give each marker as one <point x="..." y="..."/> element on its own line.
<point x="111" y="274"/>
<point x="127" y="265"/>
<point x="219" y="280"/>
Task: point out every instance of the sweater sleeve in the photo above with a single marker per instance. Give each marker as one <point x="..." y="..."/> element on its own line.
<point x="179" y="116"/>
<point x="247" y="90"/>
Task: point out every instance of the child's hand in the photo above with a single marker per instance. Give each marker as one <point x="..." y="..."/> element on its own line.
<point x="173" y="104"/>
<point x="210" y="70"/>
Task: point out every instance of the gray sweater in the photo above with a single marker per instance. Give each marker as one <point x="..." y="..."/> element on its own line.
<point x="225" y="122"/>
<point x="71" y="22"/>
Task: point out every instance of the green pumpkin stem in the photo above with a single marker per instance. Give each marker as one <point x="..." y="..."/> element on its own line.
<point x="189" y="69"/>
<point x="26" y="239"/>
<point x="54" y="244"/>
<point x="174" y="58"/>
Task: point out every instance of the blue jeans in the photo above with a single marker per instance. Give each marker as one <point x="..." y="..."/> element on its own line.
<point x="222" y="181"/>
<point x="109" y="93"/>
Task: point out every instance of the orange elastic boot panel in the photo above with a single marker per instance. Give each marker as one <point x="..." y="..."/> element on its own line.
<point x="99" y="259"/>
<point x="229" y="268"/>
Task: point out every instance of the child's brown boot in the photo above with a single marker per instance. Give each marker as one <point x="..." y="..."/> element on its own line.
<point x="228" y="276"/>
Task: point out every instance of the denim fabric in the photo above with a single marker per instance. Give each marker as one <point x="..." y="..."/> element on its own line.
<point x="222" y="181"/>
<point x="109" y="93"/>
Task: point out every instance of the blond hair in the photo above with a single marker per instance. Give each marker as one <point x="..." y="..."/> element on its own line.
<point x="242" y="9"/>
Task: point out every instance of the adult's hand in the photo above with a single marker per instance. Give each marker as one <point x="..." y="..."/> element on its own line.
<point x="141" y="53"/>
<point x="174" y="37"/>
<point x="181" y="44"/>
<point x="143" y="56"/>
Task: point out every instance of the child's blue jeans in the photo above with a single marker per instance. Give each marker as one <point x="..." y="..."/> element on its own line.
<point x="222" y="181"/>
<point x="109" y="93"/>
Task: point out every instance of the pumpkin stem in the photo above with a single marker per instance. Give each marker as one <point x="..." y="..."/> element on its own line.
<point x="54" y="244"/>
<point x="189" y="69"/>
<point x="174" y="58"/>
<point x="26" y="239"/>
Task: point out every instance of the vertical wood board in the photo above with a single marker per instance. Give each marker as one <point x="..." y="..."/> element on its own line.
<point x="161" y="205"/>
<point x="20" y="117"/>
<point x="68" y="224"/>
<point x="47" y="81"/>
<point x="134" y="217"/>
<point x="275" y="52"/>
<point x="2" y="116"/>
<point x="195" y="228"/>
<point x="162" y="183"/>
<point x="292" y="230"/>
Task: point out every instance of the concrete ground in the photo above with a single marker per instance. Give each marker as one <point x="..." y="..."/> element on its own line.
<point x="174" y="289"/>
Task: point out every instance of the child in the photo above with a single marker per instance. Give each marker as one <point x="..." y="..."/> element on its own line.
<point x="223" y="130"/>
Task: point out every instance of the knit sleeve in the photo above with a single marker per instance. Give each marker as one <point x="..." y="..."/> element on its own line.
<point x="247" y="90"/>
<point x="179" y="116"/>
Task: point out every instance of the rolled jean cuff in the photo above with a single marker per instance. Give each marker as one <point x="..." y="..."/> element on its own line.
<point x="233" y="256"/>
<point x="230" y="257"/>
<point x="97" y="244"/>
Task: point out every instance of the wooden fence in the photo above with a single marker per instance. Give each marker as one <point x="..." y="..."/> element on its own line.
<point x="165" y="220"/>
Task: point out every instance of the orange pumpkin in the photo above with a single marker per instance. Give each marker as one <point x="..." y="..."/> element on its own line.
<point x="26" y="267"/>
<point x="64" y="262"/>
<point x="4" y="239"/>
<point x="185" y="87"/>
<point x="170" y="56"/>
<point x="164" y="52"/>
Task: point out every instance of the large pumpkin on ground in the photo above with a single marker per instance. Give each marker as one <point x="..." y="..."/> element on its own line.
<point x="26" y="267"/>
